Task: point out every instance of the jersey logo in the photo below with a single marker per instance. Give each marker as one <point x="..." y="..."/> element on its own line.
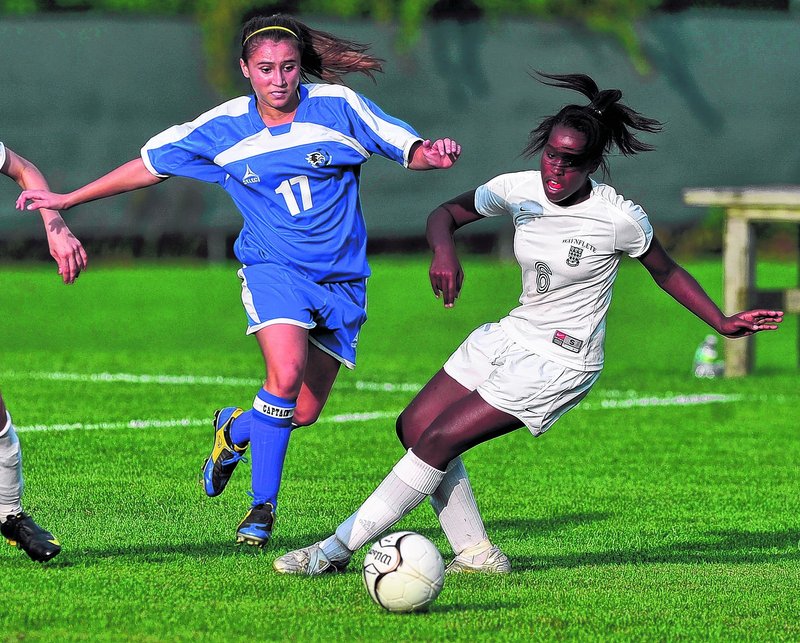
<point x="250" y="176"/>
<point x="318" y="158"/>
<point x="572" y="344"/>
<point x="574" y="256"/>
<point x="527" y="211"/>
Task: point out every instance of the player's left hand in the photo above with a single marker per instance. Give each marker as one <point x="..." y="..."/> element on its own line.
<point x="441" y="153"/>
<point x="749" y="322"/>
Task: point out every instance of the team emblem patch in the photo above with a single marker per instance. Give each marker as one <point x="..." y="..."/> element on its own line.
<point x="572" y="344"/>
<point x="574" y="256"/>
<point x="318" y="158"/>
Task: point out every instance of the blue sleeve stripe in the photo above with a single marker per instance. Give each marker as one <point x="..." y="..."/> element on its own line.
<point x="301" y="134"/>
<point x="488" y="202"/>
<point x="233" y="108"/>
<point x="392" y="131"/>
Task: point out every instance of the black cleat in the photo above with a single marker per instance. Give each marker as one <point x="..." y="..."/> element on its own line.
<point x="21" y="531"/>
<point x="256" y="527"/>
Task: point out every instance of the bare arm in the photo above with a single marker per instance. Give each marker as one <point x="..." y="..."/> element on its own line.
<point x="130" y="176"/>
<point x="445" y="273"/>
<point x="685" y="290"/>
<point x="437" y="155"/>
<point x="64" y="247"/>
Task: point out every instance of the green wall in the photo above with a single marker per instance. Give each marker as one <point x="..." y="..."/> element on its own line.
<point x="80" y="95"/>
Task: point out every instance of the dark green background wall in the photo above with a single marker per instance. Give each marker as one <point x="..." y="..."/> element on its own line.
<point x="80" y="95"/>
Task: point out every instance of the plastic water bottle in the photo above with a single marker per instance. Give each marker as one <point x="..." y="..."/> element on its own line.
<point x="706" y="359"/>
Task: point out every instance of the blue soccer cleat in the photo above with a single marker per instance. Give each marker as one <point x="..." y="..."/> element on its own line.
<point x="256" y="527"/>
<point x="225" y="455"/>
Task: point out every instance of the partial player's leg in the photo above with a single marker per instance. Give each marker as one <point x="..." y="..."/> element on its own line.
<point x="10" y="468"/>
<point x="320" y="375"/>
<point x="411" y="480"/>
<point x="16" y="526"/>
<point x="270" y="441"/>
<point x="299" y="379"/>
<point x="453" y="500"/>
<point x="269" y="424"/>
<point x="439" y="393"/>
<point x="302" y="358"/>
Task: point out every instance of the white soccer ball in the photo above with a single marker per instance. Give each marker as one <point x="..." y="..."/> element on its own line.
<point x="404" y="572"/>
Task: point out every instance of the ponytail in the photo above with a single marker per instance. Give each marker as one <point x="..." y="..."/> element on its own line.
<point x="606" y="122"/>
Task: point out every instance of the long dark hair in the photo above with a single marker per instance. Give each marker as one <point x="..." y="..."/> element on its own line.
<point x="322" y="54"/>
<point x="605" y="121"/>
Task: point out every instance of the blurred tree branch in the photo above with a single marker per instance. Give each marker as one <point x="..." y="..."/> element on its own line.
<point x="220" y="20"/>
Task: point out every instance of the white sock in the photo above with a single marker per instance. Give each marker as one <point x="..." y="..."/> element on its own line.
<point x="457" y="511"/>
<point x="10" y="472"/>
<point x="407" y="485"/>
<point x="335" y="549"/>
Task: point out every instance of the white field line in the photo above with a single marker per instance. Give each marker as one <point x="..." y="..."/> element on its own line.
<point x="188" y="380"/>
<point x="608" y="399"/>
<point x="672" y="400"/>
<point x="344" y="418"/>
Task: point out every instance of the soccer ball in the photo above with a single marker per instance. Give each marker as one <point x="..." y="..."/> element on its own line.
<point x="404" y="572"/>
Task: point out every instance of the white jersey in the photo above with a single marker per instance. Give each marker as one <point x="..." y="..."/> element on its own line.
<point x="569" y="258"/>
<point x="2" y="155"/>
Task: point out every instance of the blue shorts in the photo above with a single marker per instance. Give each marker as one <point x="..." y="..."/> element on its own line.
<point x="333" y="313"/>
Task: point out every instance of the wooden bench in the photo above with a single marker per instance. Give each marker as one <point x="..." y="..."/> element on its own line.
<point x="743" y="207"/>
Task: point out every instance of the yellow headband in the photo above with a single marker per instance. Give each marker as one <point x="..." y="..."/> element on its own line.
<point x="266" y="29"/>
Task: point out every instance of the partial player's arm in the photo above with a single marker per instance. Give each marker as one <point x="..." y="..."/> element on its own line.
<point x="445" y="273"/>
<point x="685" y="290"/>
<point x="130" y="176"/>
<point x="64" y="247"/>
<point x="437" y="155"/>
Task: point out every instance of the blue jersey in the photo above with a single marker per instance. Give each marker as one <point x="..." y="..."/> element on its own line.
<point x="296" y="184"/>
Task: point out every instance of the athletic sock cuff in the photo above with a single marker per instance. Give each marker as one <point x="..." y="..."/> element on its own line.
<point x="268" y="404"/>
<point x="417" y="474"/>
<point x="456" y="463"/>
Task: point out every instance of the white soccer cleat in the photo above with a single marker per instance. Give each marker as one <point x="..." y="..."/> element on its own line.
<point x="309" y="561"/>
<point x="492" y="562"/>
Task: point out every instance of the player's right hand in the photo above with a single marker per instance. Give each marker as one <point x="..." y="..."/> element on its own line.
<point x="41" y="199"/>
<point x="446" y="277"/>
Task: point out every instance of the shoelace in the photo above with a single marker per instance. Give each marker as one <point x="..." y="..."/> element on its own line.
<point x="234" y="458"/>
<point x="253" y="496"/>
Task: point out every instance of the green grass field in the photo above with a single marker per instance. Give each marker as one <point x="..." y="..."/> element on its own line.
<point x="663" y="508"/>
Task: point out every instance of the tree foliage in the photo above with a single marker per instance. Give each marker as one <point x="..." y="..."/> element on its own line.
<point x="220" y="19"/>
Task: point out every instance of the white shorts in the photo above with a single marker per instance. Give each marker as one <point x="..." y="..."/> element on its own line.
<point x="516" y="381"/>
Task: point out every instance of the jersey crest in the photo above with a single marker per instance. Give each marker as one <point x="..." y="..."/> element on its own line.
<point x="318" y="158"/>
<point x="574" y="256"/>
